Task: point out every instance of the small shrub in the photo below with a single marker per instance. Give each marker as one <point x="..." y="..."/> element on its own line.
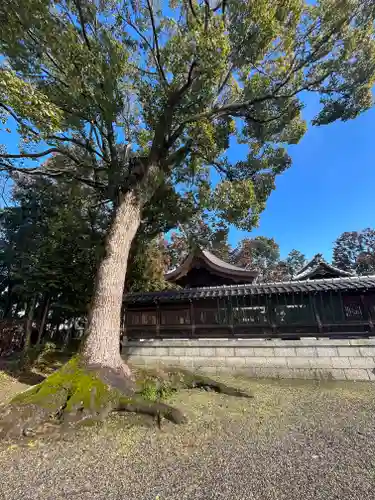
<point x="150" y="390"/>
<point x="154" y="390"/>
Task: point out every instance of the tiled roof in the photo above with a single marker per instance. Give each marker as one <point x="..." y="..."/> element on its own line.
<point x="221" y="263"/>
<point x="318" y="265"/>
<point x="213" y="262"/>
<point x="319" y="285"/>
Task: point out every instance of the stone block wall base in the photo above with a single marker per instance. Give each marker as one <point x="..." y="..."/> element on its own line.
<point x="317" y="359"/>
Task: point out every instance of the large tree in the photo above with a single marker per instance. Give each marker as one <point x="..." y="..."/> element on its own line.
<point x="51" y="241"/>
<point x="173" y="84"/>
<point x="355" y="251"/>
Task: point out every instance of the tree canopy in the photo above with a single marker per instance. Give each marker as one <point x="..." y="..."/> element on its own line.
<point x="355" y="251"/>
<point x="173" y="83"/>
<point x="51" y="241"/>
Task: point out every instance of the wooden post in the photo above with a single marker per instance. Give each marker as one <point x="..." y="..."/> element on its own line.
<point x="366" y="311"/>
<point x="157" y="326"/>
<point x="316" y="313"/>
<point x="230" y="313"/>
<point x="343" y="315"/>
<point x="192" y="318"/>
<point x="332" y="307"/>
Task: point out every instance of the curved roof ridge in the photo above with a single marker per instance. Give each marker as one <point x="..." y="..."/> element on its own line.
<point x="212" y="261"/>
<point x="313" y="266"/>
<point x="216" y="260"/>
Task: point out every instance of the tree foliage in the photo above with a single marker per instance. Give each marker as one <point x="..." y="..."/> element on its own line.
<point x="260" y="254"/>
<point x="197" y="231"/>
<point x="174" y="84"/>
<point x="355" y="251"/>
<point x="295" y="261"/>
<point x="147" y="265"/>
<point x="52" y="241"/>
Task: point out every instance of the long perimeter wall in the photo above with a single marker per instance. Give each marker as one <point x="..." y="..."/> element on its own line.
<point x="310" y="358"/>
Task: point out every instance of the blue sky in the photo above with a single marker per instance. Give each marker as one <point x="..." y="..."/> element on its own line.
<point x="329" y="189"/>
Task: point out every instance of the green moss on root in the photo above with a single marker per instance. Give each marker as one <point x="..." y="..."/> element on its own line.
<point x="73" y="383"/>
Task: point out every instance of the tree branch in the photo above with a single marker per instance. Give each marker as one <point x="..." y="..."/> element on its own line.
<point x="156" y="42"/>
<point x="82" y="22"/>
<point x="225" y="81"/>
<point x="207" y="12"/>
<point x="18" y="120"/>
<point x="110" y="136"/>
<point x="100" y="143"/>
<point x="40" y="171"/>
<point x="178" y="155"/>
<point x="141" y="35"/>
<point x="193" y="10"/>
<point x="220" y="169"/>
<point x="30" y="155"/>
<point x="85" y="145"/>
<point x="176" y="96"/>
<point x="143" y="71"/>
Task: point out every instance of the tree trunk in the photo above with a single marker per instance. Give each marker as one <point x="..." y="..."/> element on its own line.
<point x="29" y="324"/>
<point x="43" y="322"/>
<point x="9" y="302"/>
<point x="69" y="335"/>
<point x="102" y="335"/>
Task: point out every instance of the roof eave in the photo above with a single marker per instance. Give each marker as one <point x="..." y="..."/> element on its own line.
<point x="184" y="268"/>
<point x="334" y="284"/>
<point x="308" y="273"/>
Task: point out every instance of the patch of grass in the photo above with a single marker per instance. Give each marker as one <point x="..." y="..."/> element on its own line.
<point x="156" y="390"/>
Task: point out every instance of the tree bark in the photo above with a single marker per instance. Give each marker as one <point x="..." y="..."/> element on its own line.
<point x="43" y="322"/>
<point x="102" y="335"/>
<point x="29" y="324"/>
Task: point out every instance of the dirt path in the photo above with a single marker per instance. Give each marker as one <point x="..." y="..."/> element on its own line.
<point x="292" y="441"/>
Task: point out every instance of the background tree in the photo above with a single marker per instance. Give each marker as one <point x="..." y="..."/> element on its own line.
<point x="200" y="231"/>
<point x="287" y="268"/>
<point x="260" y="254"/>
<point x="52" y="241"/>
<point x="173" y="86"/>
<point x="295" y="261"/>
<point x="147" y="266"/>
<point x="355" y="251"/>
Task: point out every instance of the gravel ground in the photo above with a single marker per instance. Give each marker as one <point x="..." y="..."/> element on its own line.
<point x="293" y="440"/>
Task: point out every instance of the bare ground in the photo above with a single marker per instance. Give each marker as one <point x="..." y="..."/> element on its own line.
<point x="293" y="440"/>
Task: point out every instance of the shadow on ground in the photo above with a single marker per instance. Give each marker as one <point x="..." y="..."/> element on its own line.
<point x="44" y="364"/>
<point x="12" y="369"/>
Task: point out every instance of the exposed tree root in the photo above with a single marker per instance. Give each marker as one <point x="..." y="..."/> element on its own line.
<point x="155" y="409"/>
<point x="174" y="379"/>
<point x="79" y="394"/>
<point x="189" y="380"/>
